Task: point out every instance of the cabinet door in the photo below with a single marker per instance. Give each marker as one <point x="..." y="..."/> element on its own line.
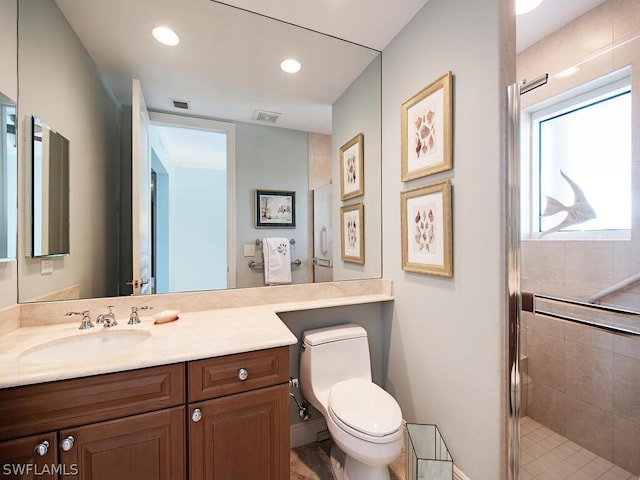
<point x="241" y="437"/>
<point x="30" y="457"/>
<point x="142" y="447"/>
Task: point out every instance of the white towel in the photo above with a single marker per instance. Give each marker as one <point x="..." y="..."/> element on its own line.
<point x="277" y="261"/>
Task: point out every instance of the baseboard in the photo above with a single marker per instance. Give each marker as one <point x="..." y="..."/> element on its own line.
<point x="306" y="432"/>
<point x="458" y="475"/>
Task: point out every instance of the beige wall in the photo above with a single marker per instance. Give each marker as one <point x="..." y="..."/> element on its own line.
<point x="319" y="160"/>
<point x="584" y="383"/>
<point x="8" y="48"/>
<point x="8" y="86"/>
<point x="447" y="336"/>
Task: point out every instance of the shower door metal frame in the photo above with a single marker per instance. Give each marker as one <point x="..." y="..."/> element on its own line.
<point x="513" y="281"/>
<point x="514" y="301"/>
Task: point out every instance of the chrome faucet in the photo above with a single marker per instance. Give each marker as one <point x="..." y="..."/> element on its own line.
<point x="133" y="317"/>
<point x="86" y="319"/>
<point x="109" y="319"/>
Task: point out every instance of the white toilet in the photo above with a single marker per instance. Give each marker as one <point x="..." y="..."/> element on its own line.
<point x="365" y="421"/>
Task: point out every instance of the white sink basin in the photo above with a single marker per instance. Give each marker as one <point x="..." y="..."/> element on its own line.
<point x="101" y="344"/>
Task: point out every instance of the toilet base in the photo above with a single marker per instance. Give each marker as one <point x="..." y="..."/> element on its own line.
<point x="344" y="467"/>
<point x="338" y="458"/>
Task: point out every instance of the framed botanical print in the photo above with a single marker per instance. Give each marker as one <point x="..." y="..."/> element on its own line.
<point x="426" y="123"/>
<point x="426" y="225"/>
<point x="275" y="209"/>
<point x="352" y="233"/>
<point x="352" y="168"/>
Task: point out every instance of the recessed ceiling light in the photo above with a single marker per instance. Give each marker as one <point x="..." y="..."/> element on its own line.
<point x="166" y="35"/>
<point x="525" y="6"/>
<point x="290" y="65"/>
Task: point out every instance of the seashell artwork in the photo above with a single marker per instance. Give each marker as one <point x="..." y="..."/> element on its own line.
<point x="425" y="233"/>
<point x="352" y="168"/>
<point x="425" y="133"/>
<point x="352" y="229"/>
<point x="427" y="130"/>
<point x="426" y="228"/>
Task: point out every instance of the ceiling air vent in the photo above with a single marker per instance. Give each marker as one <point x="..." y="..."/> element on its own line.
<point x="184" y="105"/>
<point x="264" y="116"/>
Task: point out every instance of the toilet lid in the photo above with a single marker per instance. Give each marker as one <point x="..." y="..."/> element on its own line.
<point x="365" y="407"/>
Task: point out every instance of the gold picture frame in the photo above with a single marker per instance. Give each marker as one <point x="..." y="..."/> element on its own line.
<point x="426" y="226"/>
<point x="352" y="233"/>
<point x="426" y="120"/>
<point x="352" y="168"/>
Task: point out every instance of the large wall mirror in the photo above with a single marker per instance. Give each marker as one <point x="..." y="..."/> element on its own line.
<point x="266" y="130"/>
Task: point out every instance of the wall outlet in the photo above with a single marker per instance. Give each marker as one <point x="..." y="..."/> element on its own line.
<point x="249" y="250"/>
<point x="323" y="435"/>
<point x="46" y="266"/>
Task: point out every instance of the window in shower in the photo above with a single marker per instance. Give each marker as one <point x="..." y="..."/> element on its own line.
<point x="581" y="162"/>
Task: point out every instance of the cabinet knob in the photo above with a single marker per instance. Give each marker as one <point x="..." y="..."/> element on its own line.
<point x="196" y="416"/>
<point x="41" y="449"/>
<point x="243" y="374"/>
<point x="67" y="443"/>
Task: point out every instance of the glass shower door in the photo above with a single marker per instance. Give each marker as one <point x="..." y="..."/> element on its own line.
<point x="576" y="343"/>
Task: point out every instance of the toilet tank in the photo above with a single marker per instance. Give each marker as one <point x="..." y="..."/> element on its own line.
<point x="331" y="355"/>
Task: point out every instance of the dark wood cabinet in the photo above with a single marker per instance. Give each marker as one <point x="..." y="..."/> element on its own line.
<point x="150" y="446"/>
<point x="52" y="406"/>
<point x="30" y="457"/>
<point x="142" y="424"/>
<point x="241" y="437"/>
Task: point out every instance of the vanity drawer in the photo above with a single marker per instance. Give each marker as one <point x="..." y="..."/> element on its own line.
<point x="51" y="406"/>
<point x="216" y="377"/>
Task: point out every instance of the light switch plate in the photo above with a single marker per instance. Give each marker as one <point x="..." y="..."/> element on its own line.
<point x="46" y="266"/>
<point x="249" y="250"/>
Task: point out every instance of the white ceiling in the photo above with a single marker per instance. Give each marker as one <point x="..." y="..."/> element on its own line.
<point x="549" y="17"/>
<point x="227" y="64"/>
<point x="372" y="23"/>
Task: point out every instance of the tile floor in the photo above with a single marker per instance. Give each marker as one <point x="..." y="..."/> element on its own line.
<point x="312" y="462"/>
<point x="546" y="455"/>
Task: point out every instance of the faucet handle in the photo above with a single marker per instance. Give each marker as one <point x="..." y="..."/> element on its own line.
<point x="133" y="317"/>
<point x="86" y="319"/>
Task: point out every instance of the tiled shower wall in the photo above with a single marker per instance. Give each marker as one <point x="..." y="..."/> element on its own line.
<point x="585" y="384"/>
<point x="582" y="382"/>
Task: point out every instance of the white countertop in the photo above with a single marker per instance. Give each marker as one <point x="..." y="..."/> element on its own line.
<point x="195" y="335"/>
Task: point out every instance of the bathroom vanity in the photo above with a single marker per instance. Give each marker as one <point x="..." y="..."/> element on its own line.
<point x="204" y="397"/>
<point x="224" y="417"/>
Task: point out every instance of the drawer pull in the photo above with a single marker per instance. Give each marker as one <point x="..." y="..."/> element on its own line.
<point x="67" y="443"/>
<point x="243" y="374"/>
<point x="196" y="416"/>
<point x="41" y="449"/>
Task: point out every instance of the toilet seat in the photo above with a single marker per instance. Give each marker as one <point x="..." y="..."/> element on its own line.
<point x="364" y="410"/>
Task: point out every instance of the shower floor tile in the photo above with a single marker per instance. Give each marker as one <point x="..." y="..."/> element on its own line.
<point x="546" y="455"/>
